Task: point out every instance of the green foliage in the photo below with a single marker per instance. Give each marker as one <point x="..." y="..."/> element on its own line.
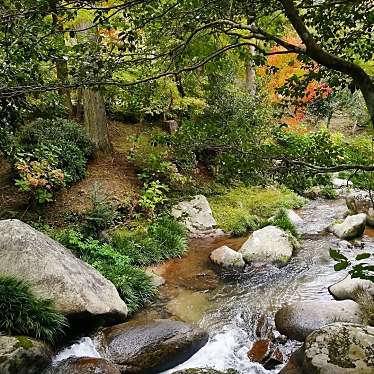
<point x="133" y="284"/>
<point x="357" y="267"/>
<point x="66" y="138"/>
<point x="23" y="313"/>
<point x="165" y="238"/>
<point x="229" y="136"/>
<point x="241" y="204"/>
<point x="102" y="213"/>
<point x="282" y="220"/>
<point x="316" y="148"/>
<point x="153" y="196"/>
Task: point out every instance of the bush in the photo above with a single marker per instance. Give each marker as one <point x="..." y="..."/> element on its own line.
<point x="68" y="137"/>
<point x="234" y="209"/>
<point x="23" y="313"/>
<point x="134" y="285"/>
<point x="164" y="239"/>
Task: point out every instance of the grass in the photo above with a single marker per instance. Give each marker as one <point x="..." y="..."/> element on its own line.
<point x="281" y="220"/>
<point x="246" y="208"/>
<point x="164" y="239"/>
<point x="23" y="313"/>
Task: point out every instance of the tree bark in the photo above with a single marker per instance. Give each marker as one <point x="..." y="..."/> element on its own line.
<point x="250" y="77"/>
<point x="363" y="81"/>
<point x="95" y="120"/>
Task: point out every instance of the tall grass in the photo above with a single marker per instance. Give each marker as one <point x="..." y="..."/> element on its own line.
<point x="23" y="313"/>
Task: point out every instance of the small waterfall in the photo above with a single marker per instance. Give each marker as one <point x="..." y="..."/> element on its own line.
<point x="83" y="348"/>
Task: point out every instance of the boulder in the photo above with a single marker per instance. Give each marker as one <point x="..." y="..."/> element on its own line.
<point x="227" y="257"/>
<point x="298" y="320"/>
<point x="313" y="192"/>
<point x="347" y="288"/>
<point x="77" y="289"/>
<point x="83" y="365"/>
<point x="339" y="348"/>
<point x="294" y="217"/>
<point x="352" y="227"/>
<point x="341" y="183"/>
<point x="147" y="347"/>
<point x="157" y="280"/>
<point x="195" y="214"/>
<point x="269" y="244"/>
<point x="22" y="355"/>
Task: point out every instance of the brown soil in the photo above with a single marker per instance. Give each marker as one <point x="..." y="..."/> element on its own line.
<point x="115" y="175"/>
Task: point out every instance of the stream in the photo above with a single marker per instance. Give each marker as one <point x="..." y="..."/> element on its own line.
<point x="238" y="308"/>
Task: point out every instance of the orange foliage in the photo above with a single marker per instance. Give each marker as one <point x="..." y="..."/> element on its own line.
<point x="286" y="66"/>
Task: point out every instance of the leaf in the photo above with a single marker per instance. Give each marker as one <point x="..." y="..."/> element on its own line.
<point x="341" y="265"/>
<point x="362" y="256"/>
<point x="337" y="255"/>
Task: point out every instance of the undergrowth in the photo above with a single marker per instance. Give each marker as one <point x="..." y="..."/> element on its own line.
<point x="282" y="220"/>
<point x="23" y="313"/>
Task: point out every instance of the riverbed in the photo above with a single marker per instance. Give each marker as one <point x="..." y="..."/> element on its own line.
<point x="236" y="308"/>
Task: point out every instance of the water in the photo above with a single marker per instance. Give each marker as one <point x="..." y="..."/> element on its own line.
<point x="229" y="305"/>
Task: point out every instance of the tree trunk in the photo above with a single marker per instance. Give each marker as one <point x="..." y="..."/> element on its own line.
<point x="367" y="89"/>
<point x="95" y="120"/>
<point x="250" y="78"/>
<point x="62" y="70"/>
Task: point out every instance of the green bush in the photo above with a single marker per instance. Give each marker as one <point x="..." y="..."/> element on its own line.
<point x="23" y="313"/>
<point x="134" y="285"/>
<point x="68" y="137"/>
<point x="164" y="239"/>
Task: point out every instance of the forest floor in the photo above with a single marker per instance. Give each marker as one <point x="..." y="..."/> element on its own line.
<point x="113" y="175"/>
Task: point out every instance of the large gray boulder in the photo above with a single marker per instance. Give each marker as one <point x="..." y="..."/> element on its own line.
<point x="339" y="348"/>
<point x="347" y="288"/>
<point x="148" y="347"/>
<point x="83" y="365"/>
<point x="269" y="244"/>
<point x="298" y="320"/>
<point x="352" y="227"/>
<point x="195" y="214"/>
<point x="77" y="289"/>
<point x="22" y="355"/>
<point x="226" y="257"/>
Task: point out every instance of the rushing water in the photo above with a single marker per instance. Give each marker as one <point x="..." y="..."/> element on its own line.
<point x="229" y="306"/>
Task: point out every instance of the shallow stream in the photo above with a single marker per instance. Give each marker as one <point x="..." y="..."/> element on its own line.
<point x="237" y="308"/>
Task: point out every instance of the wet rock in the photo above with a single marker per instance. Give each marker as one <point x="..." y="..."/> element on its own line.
<point x="157" y="280"/>
<point x="266" y="353"/>
<point x="203" y="371"/>
<point x="195" y="214"/>
<point x="83" y="365"/>
<point x="147" y="347"/>
<point x="269" y="244"/>
<point x="227" y="257"/>
<point x="352" y="227"/>
<point x="22" y="355"/>
<point x="294" y="364"/>
<point x="298" y="320"/>
<point x="340" y="348"/>
<point x="294" y="217"/>
<point x="348" y="287"/>
<point x="77" y="288"/>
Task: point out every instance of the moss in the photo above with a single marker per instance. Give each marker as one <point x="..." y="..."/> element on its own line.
<point x="233" y="209"/>
<point x="24" y="342"/>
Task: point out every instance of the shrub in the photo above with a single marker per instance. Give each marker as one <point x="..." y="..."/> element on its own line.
<point x="242" y="203"/>
<point x="134" y="285"/>
<point x="67" y="136"/>
<point x="152" y="196"/>
<point x="23" y="313"/>
<point x="164" y="239"/>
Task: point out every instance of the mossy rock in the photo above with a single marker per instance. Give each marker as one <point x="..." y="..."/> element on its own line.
<point x="22" y="355"/>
